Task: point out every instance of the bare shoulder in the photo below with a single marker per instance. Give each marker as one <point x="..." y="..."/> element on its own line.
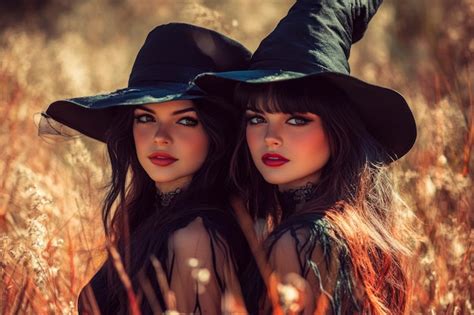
<point x="284" y="255"/>
<point x="284" y="242"/>
<point x="302" y="244"/>
<point x="194" y="242"/>
<point x="190" y="237"/>
<point x="290" y="240"/>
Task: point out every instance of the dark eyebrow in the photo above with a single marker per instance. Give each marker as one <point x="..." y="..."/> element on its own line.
<point x="181" y="111"/>
<point x="144" y="108"/>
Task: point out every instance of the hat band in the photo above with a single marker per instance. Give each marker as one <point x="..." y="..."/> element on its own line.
<point x="147" y="74"/>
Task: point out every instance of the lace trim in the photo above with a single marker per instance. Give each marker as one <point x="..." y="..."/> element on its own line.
<point x="164" y="198"/>
<point x="301" y="194"/>
<point x="290" y="198"/>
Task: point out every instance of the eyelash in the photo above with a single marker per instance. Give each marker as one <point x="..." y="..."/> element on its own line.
<point x="191" y="122"/>
<point x="139" y="117"/>
<point x="251" y="117"/>
<point x="303" y="120"/>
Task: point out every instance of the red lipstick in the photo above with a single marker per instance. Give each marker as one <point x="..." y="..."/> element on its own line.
<point x="162" y="159"/>
<point x="274" y="160"/>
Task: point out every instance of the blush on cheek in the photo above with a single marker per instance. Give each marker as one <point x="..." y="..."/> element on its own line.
<point x="197" y="147"/>
<point x="141" y="141"/>
<point x="319" y="150"/>
<point x="309" y="150"/>
<point x="138" y="139"/>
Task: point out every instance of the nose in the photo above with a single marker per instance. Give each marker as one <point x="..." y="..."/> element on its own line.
<point x="162" y="136"/>
<point x="272" y="137"/>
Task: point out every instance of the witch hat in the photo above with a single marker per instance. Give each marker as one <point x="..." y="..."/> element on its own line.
<point x="172" y="55"/>
<point x="313" y="42"/>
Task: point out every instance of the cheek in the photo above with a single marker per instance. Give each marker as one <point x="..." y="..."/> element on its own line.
<point x="140" y="136"/>
<point x="253" y="136"/>
<point x="313" y="144"/>
<point x="196" y="144"/>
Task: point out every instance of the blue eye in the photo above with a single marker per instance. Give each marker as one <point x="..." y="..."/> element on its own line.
<point x="188" y="121"/>
<point x="255" y="120"/>
<point x="298" y="121"/>
<point x="144" y="118"/>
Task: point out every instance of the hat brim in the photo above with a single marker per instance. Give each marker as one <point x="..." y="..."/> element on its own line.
<point x="384" y="111"/>
<point x="92" y="115"/>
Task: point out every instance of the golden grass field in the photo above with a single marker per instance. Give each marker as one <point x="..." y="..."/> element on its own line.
<point x="51" y="236"/>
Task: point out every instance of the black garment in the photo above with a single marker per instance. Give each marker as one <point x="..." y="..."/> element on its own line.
<point x="171" y="56"/>
<point x="312" y="44"/>
<point x="321" y="257"/>
<point x="307" y="245"/>
<point x="222" y="250"/>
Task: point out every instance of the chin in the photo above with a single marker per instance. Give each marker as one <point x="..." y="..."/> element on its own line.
<point x="163" y="179"/>
<point x="275" y="179"/>
<point x="160" y="176"/>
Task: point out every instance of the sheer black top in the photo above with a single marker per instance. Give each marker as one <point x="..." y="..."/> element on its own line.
<point x="202" y="266"/>
<point x="312" y="263"/>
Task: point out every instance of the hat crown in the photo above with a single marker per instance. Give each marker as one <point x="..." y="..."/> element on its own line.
<point x="177" y="52"/>
<point x="315" y="36"/>
<point x="172" y="55"/>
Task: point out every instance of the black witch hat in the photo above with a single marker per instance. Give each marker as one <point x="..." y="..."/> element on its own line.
<point x="172" y="55"/>
<point x="313" y="42"/>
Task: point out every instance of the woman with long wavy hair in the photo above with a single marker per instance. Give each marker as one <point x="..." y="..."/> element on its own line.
<point x="312" y="162"/>
<point x="174" y="243"/>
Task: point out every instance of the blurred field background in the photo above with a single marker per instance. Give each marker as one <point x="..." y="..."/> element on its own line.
<point x="51" y="237"/>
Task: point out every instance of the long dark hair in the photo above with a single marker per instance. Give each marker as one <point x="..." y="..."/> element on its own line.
<point x="354" y="193"/>
<point x="131" y="216"/>
<point x="218" y="121"/>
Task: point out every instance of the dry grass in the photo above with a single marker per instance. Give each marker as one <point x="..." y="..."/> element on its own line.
<point x="51" y="239"/>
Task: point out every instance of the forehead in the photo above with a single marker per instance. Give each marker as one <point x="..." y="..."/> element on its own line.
<point x="170" y="106"/>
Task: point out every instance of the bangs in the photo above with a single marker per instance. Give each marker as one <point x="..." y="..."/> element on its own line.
<point x="293" y="96"/>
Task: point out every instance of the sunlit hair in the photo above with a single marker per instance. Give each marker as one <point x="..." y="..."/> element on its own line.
<point x="354" y="193"/>
<point x="130" y="215"/>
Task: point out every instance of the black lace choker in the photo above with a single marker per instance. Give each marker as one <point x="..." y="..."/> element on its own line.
<point x="290" y="198"/>
<point x="164" y="198"/>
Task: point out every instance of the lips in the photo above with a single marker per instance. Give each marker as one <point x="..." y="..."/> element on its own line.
<point x="274" y="160"/>
<point x="162" y="159"/>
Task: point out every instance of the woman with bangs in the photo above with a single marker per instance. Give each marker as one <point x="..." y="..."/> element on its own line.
<point x="174" y="243"/>
<point x="312" y="163"/>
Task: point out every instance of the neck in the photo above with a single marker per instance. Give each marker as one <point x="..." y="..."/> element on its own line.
<point x="291" y="200"/>
<point x="301" y="194"/>
<point x="296" y="184"/>
<point x="165" y="199"/>
<point x="166" y="192"/>
<point x="169" y="187"/>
